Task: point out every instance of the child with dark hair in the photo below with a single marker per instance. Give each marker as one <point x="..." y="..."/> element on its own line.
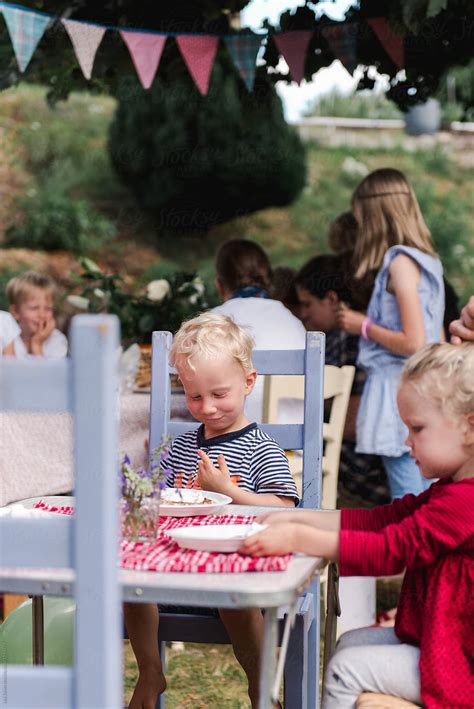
<point x="342" y="233"/>
<point x="322" y="284"/>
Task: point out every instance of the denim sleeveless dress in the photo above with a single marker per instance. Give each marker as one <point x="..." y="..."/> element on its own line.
<point x="379" y="427"/>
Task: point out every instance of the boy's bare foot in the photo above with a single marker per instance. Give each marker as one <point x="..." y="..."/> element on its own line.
<point x="151" y="683"/>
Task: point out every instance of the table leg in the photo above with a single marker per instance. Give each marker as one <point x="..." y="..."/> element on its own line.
<point x="268" y="664"/>
<point x="37" y="612"/>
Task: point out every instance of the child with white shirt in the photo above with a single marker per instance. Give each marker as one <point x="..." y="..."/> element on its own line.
<point x="31" y="297"/>
<point x="8" y="330"/>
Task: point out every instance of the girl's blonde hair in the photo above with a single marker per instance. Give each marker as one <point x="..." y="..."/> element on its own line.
<point x="210" y="335"/>
<point x="387" y="213"/>
<point x="443" y="374"/>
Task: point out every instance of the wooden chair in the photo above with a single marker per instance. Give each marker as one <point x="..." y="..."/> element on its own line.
<point x="87" y="544"/>
<point x="337" y="390"/>
<point x="301" y="674"/>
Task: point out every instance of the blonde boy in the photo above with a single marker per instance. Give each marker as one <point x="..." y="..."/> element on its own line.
<point x="31" y="297"/>
<point x="227" y="454"/>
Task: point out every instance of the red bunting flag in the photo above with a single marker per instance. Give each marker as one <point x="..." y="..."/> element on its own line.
<point x="392" y="43"/>
<point x="198" y="52"/>
<point x="293" y="46"/>
<point x="145" y="50"/>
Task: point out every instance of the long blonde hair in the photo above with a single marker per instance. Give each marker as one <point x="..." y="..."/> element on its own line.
<point x="387" y="213"/>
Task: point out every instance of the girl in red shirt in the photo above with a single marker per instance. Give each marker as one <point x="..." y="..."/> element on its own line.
<point x="428" y="658"/>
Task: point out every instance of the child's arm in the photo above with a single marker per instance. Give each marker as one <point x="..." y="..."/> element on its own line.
<point x="404" y="275"/>
<point x="286" y="538"/>
<point x="9" y="350"/>
<point x="219" y="480"/>
<point x="329" y="519"/>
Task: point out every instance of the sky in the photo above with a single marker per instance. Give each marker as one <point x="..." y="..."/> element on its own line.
<point x="296" y="98"/>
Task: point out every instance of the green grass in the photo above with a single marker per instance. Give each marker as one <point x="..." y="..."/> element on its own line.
<point x="65" y="150"/>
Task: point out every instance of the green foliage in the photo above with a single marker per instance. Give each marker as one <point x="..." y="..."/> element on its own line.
<point x="359" y="105"/>
<point x="196" y="161"/>
<point x="163" y="305"/>
<point x="461" y="83"/>
<point x="5" y="275"/>
<point x="53" y="221"/>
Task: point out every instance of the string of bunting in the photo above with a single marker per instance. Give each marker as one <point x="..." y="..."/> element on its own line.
<point x="26" y="28"/>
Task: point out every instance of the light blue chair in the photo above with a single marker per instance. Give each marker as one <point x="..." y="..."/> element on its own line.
<point x="87" y="544"/>
<point x="301" y="674"/>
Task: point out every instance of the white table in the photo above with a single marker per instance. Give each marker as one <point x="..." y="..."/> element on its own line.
<point x="267" y="590"/>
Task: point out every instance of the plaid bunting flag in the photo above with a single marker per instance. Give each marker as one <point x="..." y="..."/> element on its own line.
<point x="243" y="49"/>
<point x="25" y="30"/>
<point x="342" y="38"/>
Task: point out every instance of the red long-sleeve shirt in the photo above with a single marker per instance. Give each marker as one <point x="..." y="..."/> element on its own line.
<point x="431" y="536"/>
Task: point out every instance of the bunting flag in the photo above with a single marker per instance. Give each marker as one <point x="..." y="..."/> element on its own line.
<point x="342" y="39"/>
<point x="85" y="39"/>
<point x="392" y="43"/>
<point x="198" y="53"/>
<point x="145" y="50"/>
<point x="293" y="46"/>
<point x="25" y="30"/>
<point x="243" y="49"/>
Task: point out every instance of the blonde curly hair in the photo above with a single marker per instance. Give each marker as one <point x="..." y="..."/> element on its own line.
<point x="444" y="374"/>
<point x="210" y="335"/>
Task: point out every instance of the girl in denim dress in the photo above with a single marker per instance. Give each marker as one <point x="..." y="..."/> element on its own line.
<point x="405" y="312"/>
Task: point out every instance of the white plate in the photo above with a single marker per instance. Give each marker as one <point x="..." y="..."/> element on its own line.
<point x="214" y="537"/>
<point x="193" y="509"/>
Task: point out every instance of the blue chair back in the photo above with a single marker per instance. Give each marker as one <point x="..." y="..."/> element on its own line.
<point x="302" y="664"/>
<point x="85" y="385"/>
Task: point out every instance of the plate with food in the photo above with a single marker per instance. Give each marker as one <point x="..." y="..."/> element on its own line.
<point x="184" y="502"/>
<point x="214" y="537"/>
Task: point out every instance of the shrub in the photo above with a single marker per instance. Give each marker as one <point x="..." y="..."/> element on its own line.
<point x="194" y="161"/>
<point x="54" y="221"/>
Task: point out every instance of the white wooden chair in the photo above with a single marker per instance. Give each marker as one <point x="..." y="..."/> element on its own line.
<point x="337" y="389"/>
<point x="301" y="673"/>
<point x="87" y="544"/>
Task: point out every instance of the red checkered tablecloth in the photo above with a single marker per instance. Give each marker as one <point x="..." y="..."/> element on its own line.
<point x="165" y="555"/>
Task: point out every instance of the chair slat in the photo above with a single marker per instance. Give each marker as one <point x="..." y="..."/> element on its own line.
<point x="34" y="686"/>
<point x="37" y="543"/>
<point x="26" y="385"/>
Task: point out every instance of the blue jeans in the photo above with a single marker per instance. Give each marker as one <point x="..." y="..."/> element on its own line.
<point x="404" y="476"/>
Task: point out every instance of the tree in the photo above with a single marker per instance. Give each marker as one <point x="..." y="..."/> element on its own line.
<point x="194" y="161"/>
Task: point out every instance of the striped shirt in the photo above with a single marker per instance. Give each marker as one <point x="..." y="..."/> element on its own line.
<point x="255" y="460"/>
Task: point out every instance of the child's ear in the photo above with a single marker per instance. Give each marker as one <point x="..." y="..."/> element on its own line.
<point x="13" y="311"/>
<point x="250" y="379"/>
<point x="467" y="429"/>
<point x="333" y="297"/>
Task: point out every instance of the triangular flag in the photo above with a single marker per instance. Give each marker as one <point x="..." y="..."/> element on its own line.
<point x="342" y="38"/>
<point x="293" y="46"/>
<point x="198" y="52"/>
<point x="392" y="43"/>
<point x="243" y="49"/>
<point x="85" y="39"/>
<point x="25" y="30"/>
<point x="145" y="50"/>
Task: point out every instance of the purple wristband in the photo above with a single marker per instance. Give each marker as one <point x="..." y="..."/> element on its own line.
<point x="364" y="328"/>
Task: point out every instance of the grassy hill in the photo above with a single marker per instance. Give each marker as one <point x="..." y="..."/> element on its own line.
<point x="46" y="153"/>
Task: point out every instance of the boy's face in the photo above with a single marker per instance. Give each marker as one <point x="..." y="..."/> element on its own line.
<point x="215" y="393"/>
<point x="318" y="313"/>
<point x="34" y="311"/>
<point x="439" y="444"/>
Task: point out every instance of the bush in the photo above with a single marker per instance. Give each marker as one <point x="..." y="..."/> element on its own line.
<point x="54" y="221"/>
<point x="356" y="105"/>
<point x="195" y="161"/>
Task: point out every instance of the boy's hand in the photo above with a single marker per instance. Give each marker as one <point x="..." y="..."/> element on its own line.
<point x="212" y="478"/>
<point x="277" y="539"/>
<point x="349" y="320"/>
<point x="45" y="329"/>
